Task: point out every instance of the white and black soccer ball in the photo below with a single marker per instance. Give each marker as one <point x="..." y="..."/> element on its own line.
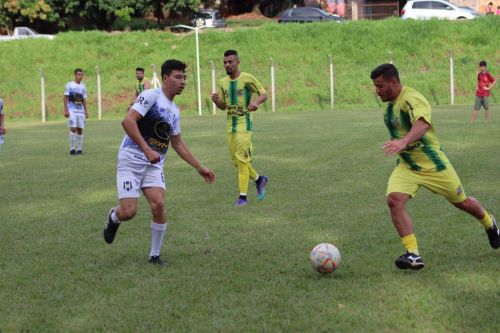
<point x="325" y="258"/>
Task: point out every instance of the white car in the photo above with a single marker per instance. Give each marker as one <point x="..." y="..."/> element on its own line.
<point x="440" y="9"/>
<point x="25" y="32"/>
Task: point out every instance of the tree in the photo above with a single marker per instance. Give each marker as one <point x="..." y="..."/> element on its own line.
<point x="16" y="11"/>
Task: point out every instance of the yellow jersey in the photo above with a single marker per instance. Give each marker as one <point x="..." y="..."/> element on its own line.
<point x="237" y="95"/>
<point x="424" y="154"/>
<point x="139" y="85"/>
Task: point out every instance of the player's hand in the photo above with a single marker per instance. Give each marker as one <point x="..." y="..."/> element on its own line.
<point x="86" y="115"/>
<point x="215" y="98"/>
<point x="252" y="107"/>
<point x="2" y="130"/>
<point x="152" y="156"/>
<point x="486" y="88"/>
<point x="208" y="174"/>
<point x="66" y="114"/>
<point x="393" y="147"/>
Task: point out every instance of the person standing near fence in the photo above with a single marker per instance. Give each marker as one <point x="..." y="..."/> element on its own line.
<point x="2" y="127"/>
<point x="421" y="163"/>
<point x="75" y="109"/>
<point x="485" y="82"/>
<point x="235" y="94"/>
<point x="142" y="83"/>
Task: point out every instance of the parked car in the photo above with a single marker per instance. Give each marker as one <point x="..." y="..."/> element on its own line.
<point x="440" y="9"/>
<point x="211" y="18"/>
<point x="25" y="32"/>
<point x="307" y="14"/>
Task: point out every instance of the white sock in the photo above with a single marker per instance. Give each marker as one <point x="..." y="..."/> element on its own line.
<point x="115" y="218"/>
<point x="157" y="232"/>
<point x="72" y="138"/>
<point x="79" y="141"/>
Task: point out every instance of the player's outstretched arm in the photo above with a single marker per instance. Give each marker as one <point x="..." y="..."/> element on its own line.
<point x="2" y="128"/>
<point x="183" y="151"/>
<point x="418" y="129"/>
<point x="129" y="124"/>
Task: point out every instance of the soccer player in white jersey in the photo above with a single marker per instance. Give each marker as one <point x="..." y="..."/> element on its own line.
<point x="75" y="109"/>
<point x="151" y="124"/>
<point x="2" y="128"/>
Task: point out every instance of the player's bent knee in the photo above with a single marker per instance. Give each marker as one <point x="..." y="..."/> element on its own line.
<point x="395" y="201"/>
<point x="127" y="212"/>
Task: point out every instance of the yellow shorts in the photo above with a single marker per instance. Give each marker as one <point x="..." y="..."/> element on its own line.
<point x="240" y="146"/>
<point x="445" y="183"/>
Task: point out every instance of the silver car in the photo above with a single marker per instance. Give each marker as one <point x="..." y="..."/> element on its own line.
<point x="210" y="18"/>
<point x="440" y="9"/>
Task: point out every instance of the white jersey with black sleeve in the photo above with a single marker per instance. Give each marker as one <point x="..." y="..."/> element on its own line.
<point x="161" y="120"/>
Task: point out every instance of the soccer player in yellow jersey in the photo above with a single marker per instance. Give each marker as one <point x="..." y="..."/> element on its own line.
<point x="142" y="82"/>
<point x="235" y="95"/>
<point x="421" y="163"/>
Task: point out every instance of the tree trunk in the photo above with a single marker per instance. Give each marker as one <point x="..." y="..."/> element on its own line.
<point x="256" y="8"/>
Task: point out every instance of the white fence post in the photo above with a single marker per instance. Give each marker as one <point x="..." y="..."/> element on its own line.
<point x="332" y="87"/>
<point x="390" y="57"/>
<point x="213" y="85"/>
<point x="273" y="88"/>
<point x="99" y="97"/>
<point x="452" y="79"/>
<point x="42" y="81"/>
<point x="155" y="82"/>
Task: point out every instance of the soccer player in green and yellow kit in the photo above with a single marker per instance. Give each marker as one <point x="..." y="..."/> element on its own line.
<point x="235" y="95"/>
<point x="421" y="163"/>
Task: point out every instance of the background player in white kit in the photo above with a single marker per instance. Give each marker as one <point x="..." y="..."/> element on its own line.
<point x="151" y="123"/>
<point x="75" y="109"/>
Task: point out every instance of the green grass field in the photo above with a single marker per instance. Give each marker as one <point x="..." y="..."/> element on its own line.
<point x="245" y="270"/>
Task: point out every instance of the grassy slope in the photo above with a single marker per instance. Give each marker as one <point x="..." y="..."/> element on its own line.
<point x="245" y="270"/>
<point x="420" y="50"/>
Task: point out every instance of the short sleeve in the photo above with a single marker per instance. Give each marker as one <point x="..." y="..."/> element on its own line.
<point x="222" y="95"/>
<point x="66" y="90"/>
<point x="491" y="78"/>
<point x="256" y="86"/>
<point x="144" y="102"/>
<point x="417" y="107"/>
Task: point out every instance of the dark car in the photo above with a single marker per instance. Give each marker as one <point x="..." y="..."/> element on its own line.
<point x="307" y="14"/>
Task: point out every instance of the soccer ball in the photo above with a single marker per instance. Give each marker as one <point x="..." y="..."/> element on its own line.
<point x="325" y="258"/>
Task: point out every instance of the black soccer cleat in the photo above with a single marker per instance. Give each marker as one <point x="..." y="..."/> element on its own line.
<point x="110" y="229"/>
<point x="410" y="260"/>
<point x="494" y="234"/>
<point x="79" y="152"/>
<point x="72" y="152"/>
<point x="156" y="260"/>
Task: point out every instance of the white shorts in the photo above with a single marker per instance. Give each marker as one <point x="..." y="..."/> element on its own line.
<point x="132" y="177"/>
<point x="76" y="120"/>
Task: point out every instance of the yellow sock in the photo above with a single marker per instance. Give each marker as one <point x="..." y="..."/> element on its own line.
<point x="252" y="173"/>
<point x="243" y="177"/>
<point x="410" y="243"/>
<point x="486" y="221"/>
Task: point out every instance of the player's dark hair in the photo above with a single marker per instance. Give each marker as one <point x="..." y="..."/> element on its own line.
<point x="172" y="65"/>
<point x="230" y="53"/>
<point x="482" y="63"/>
<point x="139" y="69"/>
<point x="388" y="71"/>
<point x="78" y="70"/>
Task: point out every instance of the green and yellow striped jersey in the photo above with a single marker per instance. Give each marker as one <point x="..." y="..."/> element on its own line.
<point x="139" y="85"/>
<point x="424" y="154"/>
<point x="237" y="94"/>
